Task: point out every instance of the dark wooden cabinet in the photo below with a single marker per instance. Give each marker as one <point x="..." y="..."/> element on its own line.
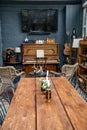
<point x="51" y="52"/>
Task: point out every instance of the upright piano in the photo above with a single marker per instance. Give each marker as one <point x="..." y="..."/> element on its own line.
<point x="51" y="52"/>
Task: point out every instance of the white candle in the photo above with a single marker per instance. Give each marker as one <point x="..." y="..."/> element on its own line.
<point x="47" y="73"/>
<point x="48" y="82"/>
<point x="46" y="78"/>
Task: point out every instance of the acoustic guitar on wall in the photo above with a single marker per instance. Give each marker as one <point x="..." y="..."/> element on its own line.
<point x="67" y="49"/>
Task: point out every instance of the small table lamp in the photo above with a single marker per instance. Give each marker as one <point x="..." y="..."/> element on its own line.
<point x="17" y="51"/>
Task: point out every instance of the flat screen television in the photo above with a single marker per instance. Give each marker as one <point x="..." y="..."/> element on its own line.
<point x="40" y="20"/>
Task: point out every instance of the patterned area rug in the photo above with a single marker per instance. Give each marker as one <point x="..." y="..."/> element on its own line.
<point x="82" y="93"/>
<point x="79" y="89"/>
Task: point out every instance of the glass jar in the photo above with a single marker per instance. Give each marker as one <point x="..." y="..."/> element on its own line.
<point x="48" y="95"/>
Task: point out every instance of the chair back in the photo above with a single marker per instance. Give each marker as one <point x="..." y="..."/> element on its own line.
<point x="10" y="72"/>
<point x="41" y="62"/>
<point x="5" y="72"/>
<point x="69" y="70"/>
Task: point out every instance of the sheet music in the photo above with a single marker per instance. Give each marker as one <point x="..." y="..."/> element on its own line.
<point x="76" y="42"/>
<point x="40" y="53"/>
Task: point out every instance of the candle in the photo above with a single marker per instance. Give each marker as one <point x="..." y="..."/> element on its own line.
<point x="48" y="82"/>
<point x="47" y="73"/>
<point x="46" y="78"/>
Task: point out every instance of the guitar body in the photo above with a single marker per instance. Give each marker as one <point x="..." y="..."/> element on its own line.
<point x="67" y="49"/>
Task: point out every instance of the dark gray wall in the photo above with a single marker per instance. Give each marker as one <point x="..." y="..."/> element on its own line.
<point x="74" y="19"/>
<point x="0" y="45"/>
<point x="84" y="1"/>
<point x="43" y="2"/>
<point x="12" y="35"/>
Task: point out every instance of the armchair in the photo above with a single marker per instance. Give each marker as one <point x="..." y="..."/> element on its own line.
<point x="67" y="71"/>
<point x="8" y="74"/>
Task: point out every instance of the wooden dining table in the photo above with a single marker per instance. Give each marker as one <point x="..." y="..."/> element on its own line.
<point x="30" y="110"/>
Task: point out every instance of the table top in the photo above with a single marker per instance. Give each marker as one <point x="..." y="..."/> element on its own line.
<point x="29" y="109"/>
